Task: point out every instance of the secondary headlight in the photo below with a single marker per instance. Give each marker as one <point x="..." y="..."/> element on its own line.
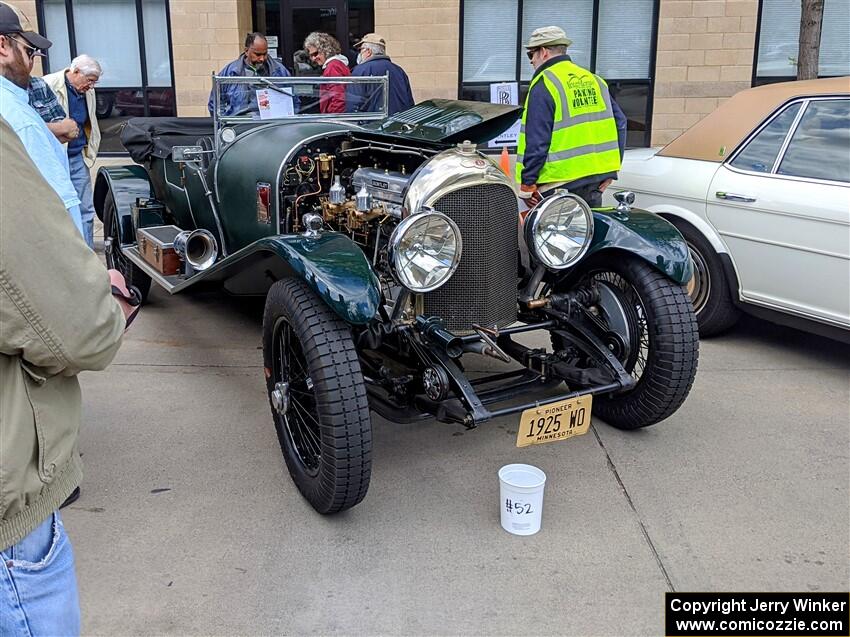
<point x="558" y="231"/>
<point x="424" y="251"/>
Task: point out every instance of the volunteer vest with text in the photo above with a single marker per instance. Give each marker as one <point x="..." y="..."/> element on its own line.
<point x="584" y="134"/>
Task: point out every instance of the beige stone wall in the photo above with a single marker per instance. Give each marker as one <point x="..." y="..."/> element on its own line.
<point x="705" y="55"/>
<point x="206" y="35"/>
<point x="423" y="38"/>
<point x="28" y="9"/>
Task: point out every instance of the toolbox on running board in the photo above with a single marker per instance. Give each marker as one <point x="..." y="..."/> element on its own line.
<point x="156" y="245"/>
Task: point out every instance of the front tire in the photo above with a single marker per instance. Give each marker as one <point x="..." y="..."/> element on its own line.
<point x="133" y="274"/>
<point x="708" y="290"/>
<point x="317" y="396"/>
<point x="655" y="321"/>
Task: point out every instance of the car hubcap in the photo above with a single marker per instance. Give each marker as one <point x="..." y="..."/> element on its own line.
<point x="280" y="398"/>
<point x="699" y="287"/>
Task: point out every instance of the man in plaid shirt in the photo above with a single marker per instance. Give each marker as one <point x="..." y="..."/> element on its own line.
<point x="44" y="101"/>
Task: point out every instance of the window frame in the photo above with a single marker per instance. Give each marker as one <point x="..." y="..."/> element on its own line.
<point x="756" y="79"/>
<point x="143" y="62"/>
<point x="522" y="85"/>
<point x="773" y="174"/>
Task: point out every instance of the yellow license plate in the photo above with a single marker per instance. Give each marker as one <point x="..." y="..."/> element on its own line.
<point x="556" y="421"/>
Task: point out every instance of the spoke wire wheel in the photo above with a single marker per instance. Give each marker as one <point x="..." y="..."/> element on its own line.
<point x="653" y="334"/>
<point x="300" y="421"/>
<point x="623" y="300"/>
<point x="317" y="397"/>
<point x="115" y="259"/>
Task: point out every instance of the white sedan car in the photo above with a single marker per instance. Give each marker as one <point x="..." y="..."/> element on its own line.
<point x="760" y="189"/>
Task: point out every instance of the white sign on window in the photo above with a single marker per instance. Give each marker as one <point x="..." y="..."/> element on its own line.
<point x="505" y="93"/>
<point x="271" y="41"/>
<point x="273" y="104"/>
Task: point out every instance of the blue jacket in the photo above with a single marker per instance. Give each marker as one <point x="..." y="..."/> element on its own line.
<point x="362" y="98"/>
<point x="235" y="97"/>
<point x="538" y="131"/>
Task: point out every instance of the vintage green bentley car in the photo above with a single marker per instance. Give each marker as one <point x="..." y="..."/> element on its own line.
<point x="390" y="252"/>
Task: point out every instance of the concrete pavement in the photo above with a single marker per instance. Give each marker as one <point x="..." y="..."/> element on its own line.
<point x="189" y="523"/>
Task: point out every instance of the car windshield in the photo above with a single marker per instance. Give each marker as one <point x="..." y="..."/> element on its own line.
<point x="256" y="99"/>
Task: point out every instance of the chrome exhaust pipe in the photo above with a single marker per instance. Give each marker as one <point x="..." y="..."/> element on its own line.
<point x="198" y="248"/>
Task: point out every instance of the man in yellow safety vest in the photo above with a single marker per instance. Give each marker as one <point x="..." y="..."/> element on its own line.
<point x="573" y="133"/>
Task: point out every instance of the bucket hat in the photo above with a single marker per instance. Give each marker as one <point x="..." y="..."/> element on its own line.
<point x="548" y="36"/>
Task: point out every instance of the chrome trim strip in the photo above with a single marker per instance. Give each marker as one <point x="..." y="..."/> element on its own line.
<point x="791" y="130"/>
<point x="791" y="246"/>
<point x="806" y="180"/>
<point x="785" y="309"/>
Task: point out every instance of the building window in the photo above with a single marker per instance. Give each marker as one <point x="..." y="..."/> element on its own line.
<point x="623" y="53"/>
<point x="779" y="38"/>
<point x="131" y="39"/>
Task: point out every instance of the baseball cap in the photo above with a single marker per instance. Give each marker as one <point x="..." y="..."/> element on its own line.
<point x="548" y="36"/>
<point x="13" y="20"/>
<point x="371" y="38"/>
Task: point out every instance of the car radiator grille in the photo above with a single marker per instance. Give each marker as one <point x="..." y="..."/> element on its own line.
<point x="483" y="290"/>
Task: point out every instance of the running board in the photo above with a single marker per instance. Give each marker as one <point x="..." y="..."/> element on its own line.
<point x="172" y="284"/>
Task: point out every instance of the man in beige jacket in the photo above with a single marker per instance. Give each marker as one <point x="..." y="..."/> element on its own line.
<point x="74" y="87"/>
<point x="60" y="314"/>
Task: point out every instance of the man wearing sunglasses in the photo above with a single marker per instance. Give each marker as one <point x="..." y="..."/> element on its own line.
<point x="19" y="43"/>
<point x="573" y="133"/>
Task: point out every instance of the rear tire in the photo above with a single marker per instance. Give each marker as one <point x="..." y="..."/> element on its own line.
<point x="708" y="290"/>
<point x="133" y="275"/>
<point x="656" y="322"/>
<point x="317" y="396"/>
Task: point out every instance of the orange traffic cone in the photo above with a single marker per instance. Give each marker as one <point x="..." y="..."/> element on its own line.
<point x="505" y="161"/>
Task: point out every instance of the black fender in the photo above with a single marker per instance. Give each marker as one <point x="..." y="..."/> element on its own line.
<point x="123" y="184"/>
<point x="646" y="236"/>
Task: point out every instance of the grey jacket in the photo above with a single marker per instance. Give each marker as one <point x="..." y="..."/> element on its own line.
<point x="57" y="318"/>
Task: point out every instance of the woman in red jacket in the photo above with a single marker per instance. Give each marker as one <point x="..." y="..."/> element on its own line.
<point x="324" y="50"/>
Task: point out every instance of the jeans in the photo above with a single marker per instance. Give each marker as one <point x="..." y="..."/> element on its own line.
<point x="38" y="584"/>
<point x="81" y="178"/>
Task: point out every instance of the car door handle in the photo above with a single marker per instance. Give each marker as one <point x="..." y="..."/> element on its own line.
<point x="733" y="197"/>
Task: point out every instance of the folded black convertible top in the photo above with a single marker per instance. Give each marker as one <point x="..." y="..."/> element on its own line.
<point x="146" y="137"/>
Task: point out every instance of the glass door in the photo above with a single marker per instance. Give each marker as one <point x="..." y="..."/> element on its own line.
<point x="299" y="18"/>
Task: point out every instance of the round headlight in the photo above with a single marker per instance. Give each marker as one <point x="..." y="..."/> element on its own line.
<point x="424" y="251"/>
<point x="228" y="135"/>
<point x="558" y="231"/>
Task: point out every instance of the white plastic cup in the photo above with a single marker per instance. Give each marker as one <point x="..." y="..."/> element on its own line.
<point x="521" y="498"/>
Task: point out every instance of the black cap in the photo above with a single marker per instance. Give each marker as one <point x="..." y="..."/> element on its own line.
<point x="13" y="21"/>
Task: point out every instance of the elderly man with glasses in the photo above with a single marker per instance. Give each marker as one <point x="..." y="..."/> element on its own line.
<point x="573" y="133"/>
<point x="74" y="87"/>
<point x="19" y="44"/>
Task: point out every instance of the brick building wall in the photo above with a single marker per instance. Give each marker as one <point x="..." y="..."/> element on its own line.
<point x="27" y="7"/>
<point x="424" y="39"/>
<point x="205" y="35"/>
<point x="705" y="55"/>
